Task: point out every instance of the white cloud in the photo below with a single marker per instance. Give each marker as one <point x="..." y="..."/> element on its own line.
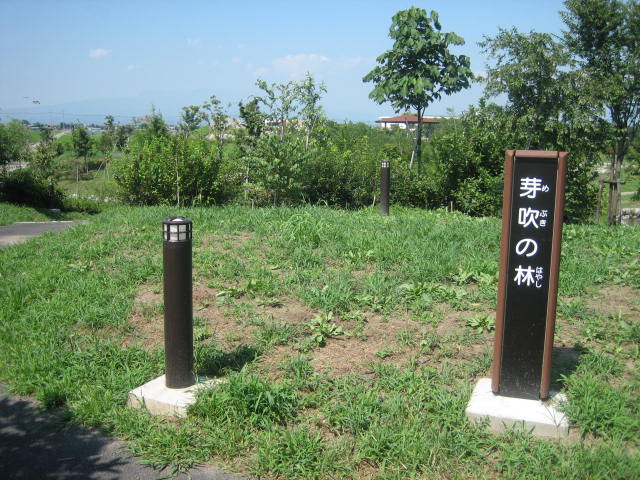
<point x="193" y="42"/>
<point x="350" y="62"/>
<point x="99" y="53"/>
<point x="296" y="66"/>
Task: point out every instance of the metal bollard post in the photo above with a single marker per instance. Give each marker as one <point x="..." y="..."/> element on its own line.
<point x="178" y="302"/>
<point x="385" y="180"/>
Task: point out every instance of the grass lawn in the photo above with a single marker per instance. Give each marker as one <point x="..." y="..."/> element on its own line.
<point x="350" y="342"/>
<point x="96" y="181"/>
<point x="10" y="213"/>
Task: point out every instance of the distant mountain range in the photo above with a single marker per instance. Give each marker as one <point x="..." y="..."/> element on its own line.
<point x="169" y="104"/>
<point x="93" y="111"/>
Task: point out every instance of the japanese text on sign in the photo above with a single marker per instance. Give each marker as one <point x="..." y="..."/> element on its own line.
<point x="530" y="218"/>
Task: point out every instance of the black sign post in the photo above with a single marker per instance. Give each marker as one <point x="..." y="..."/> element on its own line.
<point x="529" y="265"/>
<point x="385" y="181"/>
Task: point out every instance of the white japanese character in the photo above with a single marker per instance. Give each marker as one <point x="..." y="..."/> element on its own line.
<point x="524" y="276"/>
<point x="529" y="187"/>
<point x="528" y="216"/>
<point x="526" y="244"/>
<point x="539" y="276"/>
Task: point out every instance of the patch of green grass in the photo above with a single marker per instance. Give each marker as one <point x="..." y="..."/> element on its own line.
<point x="247" y="399"/>
<point x="65" y="338"/>
<point x="10" y="213"/>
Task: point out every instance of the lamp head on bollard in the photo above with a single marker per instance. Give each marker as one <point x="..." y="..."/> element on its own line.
<point x="386" y="164"/>
<point x="177" y="229"/>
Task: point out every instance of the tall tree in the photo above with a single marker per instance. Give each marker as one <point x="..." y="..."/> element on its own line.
<point x="216" y="115"/>
<point x="309" y="95"/>
<point x="604" y="35"/>
<point x="191" y="118"/>
<point x="531" y="69"/>
<point x="42" y="159"/>
<point x="280" y="99"/>
<point x="81" y="143"/>
<point x="419" y="69"/>
<point x="14" y="142"/>
<point x="253" y="120"/>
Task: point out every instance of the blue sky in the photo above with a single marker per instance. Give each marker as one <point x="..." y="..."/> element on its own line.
<point x="93" y="58"/>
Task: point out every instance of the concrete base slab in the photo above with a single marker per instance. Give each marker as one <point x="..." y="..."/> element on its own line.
<point x="163" y="401"/>
<point x="543" y="419"/>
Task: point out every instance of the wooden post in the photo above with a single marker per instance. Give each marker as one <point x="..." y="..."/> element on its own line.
<point x="533" y="206"/>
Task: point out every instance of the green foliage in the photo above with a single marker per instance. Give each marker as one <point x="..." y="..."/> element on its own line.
<point x="14" y="142"/>
<point x="151" y="126"/>
<point x="279" y="167"/>
<point x="323" y="328"/>
<point x="296" y="453"/>
<point x="81" y="142"/>
<point x="604" y="37"/>
<point x="598" y="406"/>
<point x="23" y="187"/>
<point x="192" y="117"/>
<point x="169" y="170"/>
<point x="247" y="399"/>
<point x="482" y="323"/>
<point x="419" y="69"/>
<point x="470" y="160"/>
<point x="42" y="160"/>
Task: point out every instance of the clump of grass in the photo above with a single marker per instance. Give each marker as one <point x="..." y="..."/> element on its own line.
<point x="297" y="453"/>
<point x="247" y="399"/>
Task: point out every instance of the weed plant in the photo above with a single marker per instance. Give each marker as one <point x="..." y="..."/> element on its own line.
<point x="425" y="280"/>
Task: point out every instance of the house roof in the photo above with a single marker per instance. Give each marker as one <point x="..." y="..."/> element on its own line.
<point x="405" y="119"/>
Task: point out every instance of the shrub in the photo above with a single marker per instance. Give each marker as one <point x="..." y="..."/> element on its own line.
<point x="23" y="187"/>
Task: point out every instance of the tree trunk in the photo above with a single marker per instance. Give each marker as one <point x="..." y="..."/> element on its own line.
<point x="419" y="140"/>
<point x="615" y="192"/>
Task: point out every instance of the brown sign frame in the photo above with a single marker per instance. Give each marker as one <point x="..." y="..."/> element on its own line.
<point x="506" y="246"/>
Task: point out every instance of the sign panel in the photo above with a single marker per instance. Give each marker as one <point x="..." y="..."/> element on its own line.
<point x="530" y="256"/>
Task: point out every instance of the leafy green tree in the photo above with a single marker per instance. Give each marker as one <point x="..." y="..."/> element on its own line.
<point x="253" y="121"/>
<point x="122" y="134"/>
<point x="309" y="95"/>
<point x="280" y="100"/>
<point x="604" y="36"/>
<point x="531" y="69"/>
<point x="216" y="115"/>
<point x="169" y="170"/>
<point x="191" y="117"/>
<point x="548" y="106"/>
<point x="14" y="142"/>
<point x="81" y="143"/>
<point x="107" y="141"/>
<point x="279" y="164"/>
<point x="42" y="159"/>
<point x="419" y="69"/>
<point x="151" y="126"/>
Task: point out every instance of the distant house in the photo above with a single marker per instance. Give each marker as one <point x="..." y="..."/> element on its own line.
<point x="405" y="122"/>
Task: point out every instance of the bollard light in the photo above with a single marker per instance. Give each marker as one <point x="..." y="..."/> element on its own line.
<point x="385" y="180"/>
<point x="177" y="229"/>
<point x="178" y="302"/>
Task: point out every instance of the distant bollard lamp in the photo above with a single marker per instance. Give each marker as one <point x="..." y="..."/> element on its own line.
<point x="178" y="303"/>
<point x="385" y="180"/>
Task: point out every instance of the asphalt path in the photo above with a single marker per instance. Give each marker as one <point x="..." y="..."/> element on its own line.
<point x="22" y="231"/>
<point x="38" y="444"/>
